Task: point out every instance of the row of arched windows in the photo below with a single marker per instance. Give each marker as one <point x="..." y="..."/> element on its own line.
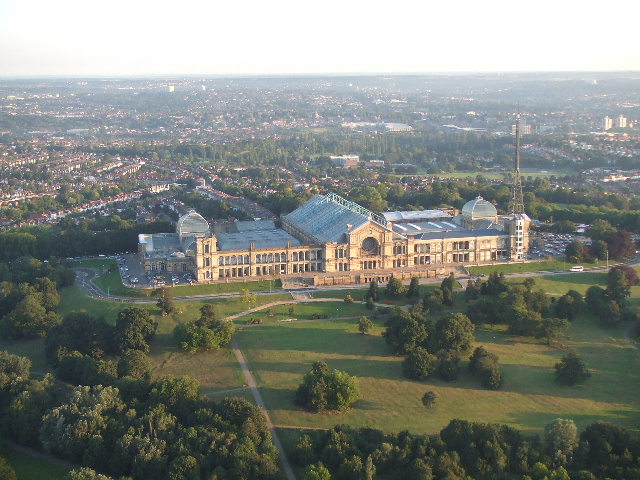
<point x="234" y="260"/>
<point x="270" y="258"/>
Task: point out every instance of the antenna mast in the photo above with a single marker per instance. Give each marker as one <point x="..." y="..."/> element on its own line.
<point x="516" y="205"/>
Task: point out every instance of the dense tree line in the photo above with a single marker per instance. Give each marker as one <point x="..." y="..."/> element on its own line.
<point x="526" y="311"/>
<point x="466" y="449"/>
<point x="72" y="240"/>
<point x="160" y="430"/>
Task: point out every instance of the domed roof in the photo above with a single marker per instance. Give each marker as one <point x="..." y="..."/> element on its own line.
<point x="479" y="208"/>
<point x="190" y="223"/>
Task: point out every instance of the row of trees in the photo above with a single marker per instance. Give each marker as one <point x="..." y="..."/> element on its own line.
<point x="72" y="240"/>
<point x="466" y="449"/>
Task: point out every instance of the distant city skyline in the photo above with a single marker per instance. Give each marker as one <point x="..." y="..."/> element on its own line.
<point x="286" y="37"/>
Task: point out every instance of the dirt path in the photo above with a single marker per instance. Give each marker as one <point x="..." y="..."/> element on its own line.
<point x="286" y="466"/>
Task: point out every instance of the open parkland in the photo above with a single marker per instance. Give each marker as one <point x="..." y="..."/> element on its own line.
<point x="297" y="328"/>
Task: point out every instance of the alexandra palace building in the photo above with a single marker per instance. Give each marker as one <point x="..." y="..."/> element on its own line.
<point x="330" y="240"/>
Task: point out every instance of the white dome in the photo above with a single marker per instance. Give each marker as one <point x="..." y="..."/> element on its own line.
<point x="192" y="223"/>
<point x="479" y="208"/>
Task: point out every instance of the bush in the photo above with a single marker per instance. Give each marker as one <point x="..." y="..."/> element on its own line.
<point x="570" y="370"/>
<point x="429" y="399"/>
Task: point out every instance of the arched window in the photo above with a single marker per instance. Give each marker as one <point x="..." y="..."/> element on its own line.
<point x="283" y="257"/>
<point x="257" y="258"/>
<point x="246" y="259"/>
<point x="277" y="257"/>
<point x="234" y="261"/>
<point x="295" y="256"/>
<point x="221" y="261"/>
<point x="264" y="258"/>
<point x="184" y="267"/>
<point x="270" y="258"/>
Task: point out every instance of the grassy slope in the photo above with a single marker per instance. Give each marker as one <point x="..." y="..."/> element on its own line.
<point x="280" y="355"/>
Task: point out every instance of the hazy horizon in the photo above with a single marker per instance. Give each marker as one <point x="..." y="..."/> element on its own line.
<point x="70" y="38"/>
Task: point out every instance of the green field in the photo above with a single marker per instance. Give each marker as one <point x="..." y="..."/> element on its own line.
<point x="29" y="467"/>
<point x="280" y="355"/>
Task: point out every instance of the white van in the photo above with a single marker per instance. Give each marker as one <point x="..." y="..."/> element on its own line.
<point x="577" y="268"/>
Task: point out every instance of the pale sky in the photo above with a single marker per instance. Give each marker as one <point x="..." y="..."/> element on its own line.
<point x="237" y="37"/>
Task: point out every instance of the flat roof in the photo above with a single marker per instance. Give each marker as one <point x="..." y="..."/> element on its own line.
<point x="275" y="238"/>
<point x="414" y="215"/>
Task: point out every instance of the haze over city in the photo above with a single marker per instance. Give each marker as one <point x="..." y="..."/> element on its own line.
<point x="73" y="38"/>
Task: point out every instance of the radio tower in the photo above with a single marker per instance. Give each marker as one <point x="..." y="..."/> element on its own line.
<point x="516" y="205"/>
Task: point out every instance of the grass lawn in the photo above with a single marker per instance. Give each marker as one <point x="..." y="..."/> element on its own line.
<point x="28" y="467"/>
<point x="515" y="267"/>
<point x="304" y="311"/>
<point x="280" y="355"/>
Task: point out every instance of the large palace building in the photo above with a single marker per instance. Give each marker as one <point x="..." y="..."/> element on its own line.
<point x="331" y="240"/>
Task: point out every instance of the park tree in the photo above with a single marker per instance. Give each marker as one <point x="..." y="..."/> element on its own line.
<point x="165" y="299"/>
<point x="621" y="245"/>
<point x="134" y="364"/>
<point x="134" y="329"/>
<point x="473" y="289"/>
<point x="414" y="288"/>
<point x="323" y="389"/>
<point x="561" y="439"/>
<point x="29" y="319"/>
<point x="601" y="230"/>
<point x="207" y="333"/>
<point x="14" y="372"/>
<point x="395" y="288"/>
<point x="448" y="367"/>
<point x="599" y="249"/>
<point x="630" y="272"/>
<point x="617" y="285"/>
<point x="576" y="252"/>
<point x="364" y="324"/>
<point x="485" y="366"/>
<point x="454" y="332"/>
<point x="571" y="370"/>
<point x="248" y="297"/>
<point x="429" y="399"/>
<point x="373" y="291"/>
<point x="316" y="472"/>
<point x="595" y="297"/>
<point x="80" y="332"/>
<point x="419" y="364"/>
<point x="569" y="305"/>
<point x="552" y="329"/>
<point x="404" y="332"/>
<point x="434" y="300"/>
<point x="495" y="284"/>
<point x="86" y="473"/>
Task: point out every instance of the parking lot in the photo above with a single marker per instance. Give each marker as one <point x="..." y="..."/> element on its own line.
<point x="555" y="244"/>
<point x="133" y="275"/>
